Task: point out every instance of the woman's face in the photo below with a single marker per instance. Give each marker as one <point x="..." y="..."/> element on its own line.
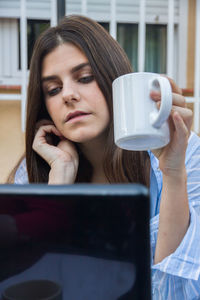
<point x="73" y="99"/>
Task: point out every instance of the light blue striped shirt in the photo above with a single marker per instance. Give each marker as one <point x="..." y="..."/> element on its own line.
<point x="177" y="277"/>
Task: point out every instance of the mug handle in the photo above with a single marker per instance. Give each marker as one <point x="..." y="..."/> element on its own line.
<point x="158" y="117"/>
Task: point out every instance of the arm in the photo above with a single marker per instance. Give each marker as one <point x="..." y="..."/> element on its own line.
<point x="174" y="208"/>
<point x="179" y="273"/>
<point x="174" y="215"/>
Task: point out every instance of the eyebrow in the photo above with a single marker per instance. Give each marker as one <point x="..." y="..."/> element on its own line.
<point x="79" y="67"/>
<point x="73" y="70"/>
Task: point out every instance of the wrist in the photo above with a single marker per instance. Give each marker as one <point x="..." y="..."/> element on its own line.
<point x="62" y="174"/>
<point x="176" y="175"/>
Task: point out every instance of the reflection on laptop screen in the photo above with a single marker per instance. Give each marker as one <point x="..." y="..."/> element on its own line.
<point x="92" y="240"/>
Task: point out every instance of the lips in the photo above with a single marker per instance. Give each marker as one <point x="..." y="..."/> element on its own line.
<point x="75" y="114"/>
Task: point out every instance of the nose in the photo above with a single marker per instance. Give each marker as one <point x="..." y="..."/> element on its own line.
<point x="70" y="92"/>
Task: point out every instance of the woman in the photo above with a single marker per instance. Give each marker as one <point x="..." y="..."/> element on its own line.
<point x="69" y="139"/>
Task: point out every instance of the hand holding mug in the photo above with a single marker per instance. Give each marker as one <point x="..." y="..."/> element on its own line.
<point x="172" y="157"/>
<point x="150" y="114"/>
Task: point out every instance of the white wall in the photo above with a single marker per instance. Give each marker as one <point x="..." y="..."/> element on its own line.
<point x="36" y="9"/>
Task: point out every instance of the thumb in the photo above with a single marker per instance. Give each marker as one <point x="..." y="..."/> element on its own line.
<point x="181" y="129"/>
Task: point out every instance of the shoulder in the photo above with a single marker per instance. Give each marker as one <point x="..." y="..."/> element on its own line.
<point x="21" y="175"/>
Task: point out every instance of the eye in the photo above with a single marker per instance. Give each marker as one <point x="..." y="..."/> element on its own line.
<point x="54" y="91"/>
<point x="86" y="79"/>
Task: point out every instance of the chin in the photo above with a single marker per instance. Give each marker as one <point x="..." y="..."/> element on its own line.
<point x="82" y="140"/>
<point x="85" y="134"/>
<point x="85" y="137"/>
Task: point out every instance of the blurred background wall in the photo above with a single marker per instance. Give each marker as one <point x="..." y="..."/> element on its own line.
<point x="11" y="136"/>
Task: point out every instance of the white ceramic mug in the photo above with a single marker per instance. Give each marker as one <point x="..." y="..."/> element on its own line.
<point x="138" y="123"/>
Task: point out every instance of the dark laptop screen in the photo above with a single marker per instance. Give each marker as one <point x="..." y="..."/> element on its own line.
<point x="93" y="240"/>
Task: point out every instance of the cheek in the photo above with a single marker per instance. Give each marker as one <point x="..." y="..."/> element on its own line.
<point x="103" y="108"/>
<point x="106" y="116"/>
<point x="52" y="110"/>
<point x="99" y="103"/>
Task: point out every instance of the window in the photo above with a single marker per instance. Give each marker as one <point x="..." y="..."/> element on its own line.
<point x="156" y="43"/>
<point x="155" y="51"/>
<point x="127" y="36"/>
<point x="34" y="29"/>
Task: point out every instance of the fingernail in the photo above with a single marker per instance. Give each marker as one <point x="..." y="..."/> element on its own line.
<point x="177" y="116"/>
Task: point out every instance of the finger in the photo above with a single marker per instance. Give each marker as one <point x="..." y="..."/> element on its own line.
<point x="177" y="99"/>
<point x="186" y="118"/>
<point x="181" y="129"/>
<point x="43" y="131"/>
<point x="185" y="113"/>
<point x="155" y="95"/>
<point x="174" y="86"/>
<point x="43" y="122"/>
<point x="49" y="129"/>
<point x="68" y="147"/>
<point x="41" y="144"/>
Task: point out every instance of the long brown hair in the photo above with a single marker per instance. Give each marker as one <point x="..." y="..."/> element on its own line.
<point x="108" y="61"/>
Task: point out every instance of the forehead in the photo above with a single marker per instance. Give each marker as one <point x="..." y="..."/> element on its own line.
<point x="65" y="55"/>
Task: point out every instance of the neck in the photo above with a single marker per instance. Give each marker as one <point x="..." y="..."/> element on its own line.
<point x="94" y="152"/>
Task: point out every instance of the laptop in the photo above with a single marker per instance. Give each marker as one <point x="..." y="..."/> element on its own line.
<point x="93" y="240"/>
